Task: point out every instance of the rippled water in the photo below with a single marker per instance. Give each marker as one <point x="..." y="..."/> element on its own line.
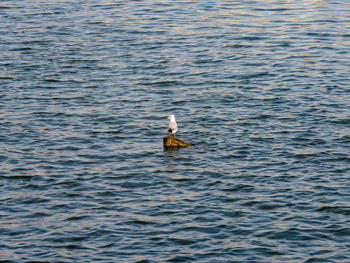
<point x="260" y="87"/>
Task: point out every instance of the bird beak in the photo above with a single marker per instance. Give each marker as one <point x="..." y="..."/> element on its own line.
<point x="168" y="117"/>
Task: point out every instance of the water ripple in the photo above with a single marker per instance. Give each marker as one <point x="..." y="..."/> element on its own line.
<point x="260" y="88"/>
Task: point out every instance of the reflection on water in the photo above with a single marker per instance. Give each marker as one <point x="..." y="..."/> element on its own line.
<point x="172" y="149"/>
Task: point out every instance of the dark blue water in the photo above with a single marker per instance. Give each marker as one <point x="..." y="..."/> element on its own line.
<point x="260" y="87"/>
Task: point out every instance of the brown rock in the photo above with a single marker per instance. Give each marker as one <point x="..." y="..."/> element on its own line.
<point x="174" y="142"/>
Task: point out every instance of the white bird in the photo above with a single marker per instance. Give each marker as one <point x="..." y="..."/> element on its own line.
<point x="172" y="128"/>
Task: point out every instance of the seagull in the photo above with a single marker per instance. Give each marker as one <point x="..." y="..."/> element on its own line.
<point x="172" y="128"/>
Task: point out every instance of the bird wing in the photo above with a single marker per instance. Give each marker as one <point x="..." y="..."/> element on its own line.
<point x="173" y="126"/>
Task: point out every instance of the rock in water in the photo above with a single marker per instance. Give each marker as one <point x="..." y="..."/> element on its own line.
<point x="174" y="142"/>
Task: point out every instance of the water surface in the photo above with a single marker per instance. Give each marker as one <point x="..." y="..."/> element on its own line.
<point x="260" y="87"/>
